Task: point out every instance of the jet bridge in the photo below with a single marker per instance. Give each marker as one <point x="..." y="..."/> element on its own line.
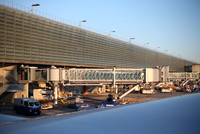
<point x="103" y="76"/>
<point x="82" y="76"/>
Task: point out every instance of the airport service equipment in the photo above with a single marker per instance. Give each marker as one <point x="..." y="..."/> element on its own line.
<point x="27" y="106"/>
<point x="167" y="90"/>
<point x="149" y="91"/>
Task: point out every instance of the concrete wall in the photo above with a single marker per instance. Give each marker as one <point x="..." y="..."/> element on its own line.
<point x="8" y="78"/>
<point x="9" y="86"/>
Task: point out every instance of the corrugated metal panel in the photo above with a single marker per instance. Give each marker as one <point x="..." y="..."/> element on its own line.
<point x="25" y="36"/>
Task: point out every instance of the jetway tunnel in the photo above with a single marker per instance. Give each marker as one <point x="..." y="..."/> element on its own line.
<point x="79" y="77"/>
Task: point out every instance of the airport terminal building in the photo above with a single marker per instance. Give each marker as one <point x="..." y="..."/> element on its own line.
<point x="31" y="43"/>
<point x="27" y="38"/>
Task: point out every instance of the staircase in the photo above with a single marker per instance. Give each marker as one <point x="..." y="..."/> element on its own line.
<point x="132" y="89"/>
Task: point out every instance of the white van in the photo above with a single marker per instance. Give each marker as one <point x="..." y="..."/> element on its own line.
<point x="27" y="106"/>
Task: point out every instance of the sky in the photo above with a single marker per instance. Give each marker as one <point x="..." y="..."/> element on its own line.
<point x="168" y="26"/>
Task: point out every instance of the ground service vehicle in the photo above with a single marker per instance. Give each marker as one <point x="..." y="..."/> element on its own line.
<point x="149" y="91"/>
<point x="27" y="106"/>
<point x="167" y="90"/>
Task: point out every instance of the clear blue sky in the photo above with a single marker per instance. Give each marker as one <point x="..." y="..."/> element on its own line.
<point x="172" y="25"/>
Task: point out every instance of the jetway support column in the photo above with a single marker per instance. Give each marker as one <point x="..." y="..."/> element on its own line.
<point x="114" y="81"/>
<point x="56" y="86"/>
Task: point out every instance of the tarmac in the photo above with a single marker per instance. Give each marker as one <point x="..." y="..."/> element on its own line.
<point x="171" y="115"/>
<point x="96" y="99"/>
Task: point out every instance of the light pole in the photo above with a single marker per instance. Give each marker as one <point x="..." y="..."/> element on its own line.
<point x="81" y="22"/>
<point x="145" y="45"/>
<point x="110" y="33"/>
<point x="131" y="39"/>
<point x="33" y="6"/>
<point x="157" y="48"/>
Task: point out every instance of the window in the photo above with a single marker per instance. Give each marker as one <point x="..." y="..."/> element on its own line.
<point x="26" y="103"/>
<point x="31" y="103"/>
<point x="37" y="103"/>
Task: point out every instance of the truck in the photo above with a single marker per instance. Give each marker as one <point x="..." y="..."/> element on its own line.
<point x="29" y="106"/>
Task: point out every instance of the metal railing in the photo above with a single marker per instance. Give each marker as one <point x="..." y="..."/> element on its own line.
<point x="49" y="16"/>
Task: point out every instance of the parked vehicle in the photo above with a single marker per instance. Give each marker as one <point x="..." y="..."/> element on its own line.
<point x="28" y="106"/>
<point x="148" y="88"/>
<point x="74" y="101"/>
<point x="149" y="91"/>
<point x="167" y="90"/>
<point x="110" y="102"/>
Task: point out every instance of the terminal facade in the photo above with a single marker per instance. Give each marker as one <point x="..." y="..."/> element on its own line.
<point x="32" y="46"/>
